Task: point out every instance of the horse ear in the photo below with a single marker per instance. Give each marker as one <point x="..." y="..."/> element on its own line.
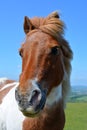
<point x="54" y="15"/>
<point x="28" y="26"/>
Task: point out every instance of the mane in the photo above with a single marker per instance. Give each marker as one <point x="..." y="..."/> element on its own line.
<point x="53" y="26"/>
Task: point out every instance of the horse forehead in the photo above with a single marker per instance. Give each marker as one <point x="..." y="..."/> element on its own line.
<point x="42" y="38"/>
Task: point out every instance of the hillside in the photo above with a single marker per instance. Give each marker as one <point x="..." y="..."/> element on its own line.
<point x="78" y="94"/>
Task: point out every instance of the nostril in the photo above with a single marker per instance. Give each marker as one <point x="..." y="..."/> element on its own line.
<point x="36" y="97"/>
<point x="35" y="93"/>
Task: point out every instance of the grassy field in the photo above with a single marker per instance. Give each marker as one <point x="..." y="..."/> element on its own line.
<point x="76" y="116"/>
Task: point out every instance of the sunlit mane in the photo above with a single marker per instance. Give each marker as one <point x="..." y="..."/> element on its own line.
<point x="51" y="25"/>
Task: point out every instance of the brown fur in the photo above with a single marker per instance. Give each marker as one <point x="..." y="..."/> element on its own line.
<point x="42" y="34"/>
<point x="41" y="66"/>
<point x="49" y="31"/>
<point x="53" y="26"/>
<point x="50" y="119"/>
<point x="5" y="91"/>
<point x="6" y="82"/>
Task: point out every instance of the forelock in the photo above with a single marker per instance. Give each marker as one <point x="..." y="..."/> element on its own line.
<point x="51" y="25"/>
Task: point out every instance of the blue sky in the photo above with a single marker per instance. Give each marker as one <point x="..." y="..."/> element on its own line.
<point x="73" y="13"/>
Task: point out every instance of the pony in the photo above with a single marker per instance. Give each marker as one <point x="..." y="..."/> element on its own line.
<point x="38" y="99"/>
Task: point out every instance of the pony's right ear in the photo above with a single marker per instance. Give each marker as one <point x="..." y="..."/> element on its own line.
<point x="28" y="26"/>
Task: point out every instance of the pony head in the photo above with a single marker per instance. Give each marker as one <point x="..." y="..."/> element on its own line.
<point x="46" y="56"/>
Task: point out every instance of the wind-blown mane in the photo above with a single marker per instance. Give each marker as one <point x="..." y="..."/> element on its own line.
<point x="53" y="26"/>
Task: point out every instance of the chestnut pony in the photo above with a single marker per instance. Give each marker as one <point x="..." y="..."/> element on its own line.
<point x="37" y="101"/>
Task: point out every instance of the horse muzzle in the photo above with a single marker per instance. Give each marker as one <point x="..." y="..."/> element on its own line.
<point x="31" y="102"/>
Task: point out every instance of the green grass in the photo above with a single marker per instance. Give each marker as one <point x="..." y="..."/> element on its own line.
<point x="76" y="116"/>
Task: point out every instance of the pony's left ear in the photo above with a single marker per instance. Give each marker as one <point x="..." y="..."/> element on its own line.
<point x="54" y="15"/>
<point x="28" y="26"/>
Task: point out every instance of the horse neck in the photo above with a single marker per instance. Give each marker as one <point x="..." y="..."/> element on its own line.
<point x="50" y="119"/>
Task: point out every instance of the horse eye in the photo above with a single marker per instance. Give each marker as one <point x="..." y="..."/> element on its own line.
<point x="21" y="52"/>
<point x="55" y="50"/>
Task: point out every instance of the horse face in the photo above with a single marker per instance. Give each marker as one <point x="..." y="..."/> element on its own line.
<point x="42" y="70"/>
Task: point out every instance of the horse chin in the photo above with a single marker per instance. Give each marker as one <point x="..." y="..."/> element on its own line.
<point x="34" y="111"/>
<point x="32" y="115"/>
